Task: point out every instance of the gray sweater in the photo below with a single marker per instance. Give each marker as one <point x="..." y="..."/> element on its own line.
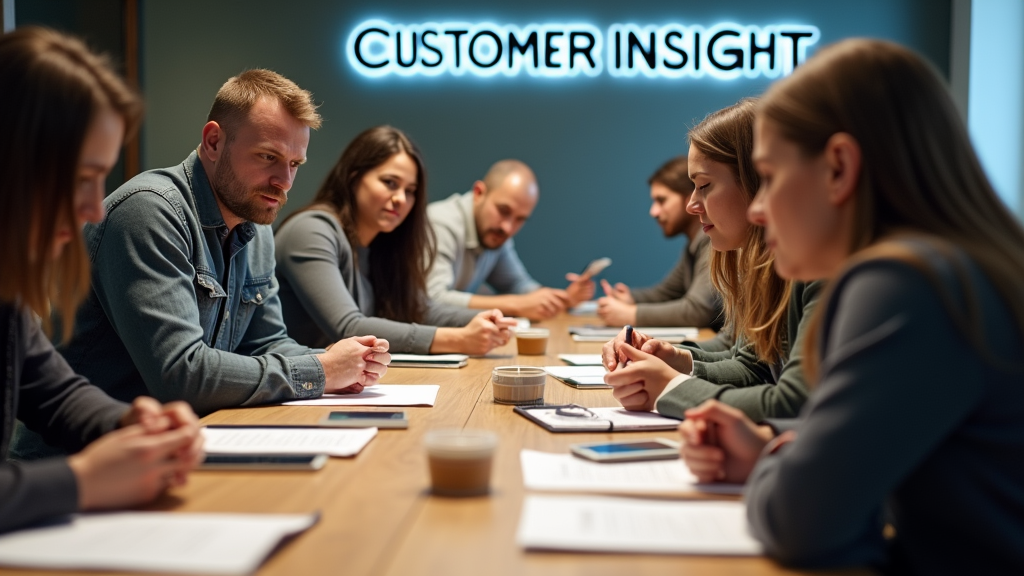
<point x="41" y="389"/>
<point x="738" y="378"/>
<point x="325" y="296"/>
<point x="685" y="297"/>
<point x="907" y="418"/>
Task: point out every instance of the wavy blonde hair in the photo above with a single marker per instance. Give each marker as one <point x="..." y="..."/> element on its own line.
<point x="755" y="298"/>
<point x="919" y="174"/>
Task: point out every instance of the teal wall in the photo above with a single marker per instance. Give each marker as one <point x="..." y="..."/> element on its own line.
<point x="592" y="141"/>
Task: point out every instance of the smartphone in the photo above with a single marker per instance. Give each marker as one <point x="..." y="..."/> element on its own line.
<point x="595" y="267"/>
<point x="264" y="462"/>
<point x="628" y="450"/>
<point x="365" y="419"/>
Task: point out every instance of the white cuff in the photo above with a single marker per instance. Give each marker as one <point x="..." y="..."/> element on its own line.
<point x="671" y="385"/>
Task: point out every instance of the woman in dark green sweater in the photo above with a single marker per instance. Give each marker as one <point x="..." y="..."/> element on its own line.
<point x="761" y="374"/>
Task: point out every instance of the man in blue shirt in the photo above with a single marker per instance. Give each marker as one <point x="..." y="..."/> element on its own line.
<point x="184" y="301"/>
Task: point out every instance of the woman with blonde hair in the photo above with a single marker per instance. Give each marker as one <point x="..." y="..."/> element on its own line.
<point x="917" y="416"/>
<point x="63" y="115"/>
<point x="761" y="374"/>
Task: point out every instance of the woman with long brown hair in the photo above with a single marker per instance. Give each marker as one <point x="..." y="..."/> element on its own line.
<point x="761" y="374"/>
<point x="917" y="416"/>
<point x="355" y="261"/>
<point x="63" y="115"/>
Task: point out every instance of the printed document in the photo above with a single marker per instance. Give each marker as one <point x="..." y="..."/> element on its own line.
<point x="581" y="359"/>
<point x="153" y="542"/>
<point x="379" y="395"/>
<point x="567" y="473"/>
<point x="588" y="376"/>
<point x="340" y="442"/>
<point x="605" y="524"/>
<point x="429" y="360"/>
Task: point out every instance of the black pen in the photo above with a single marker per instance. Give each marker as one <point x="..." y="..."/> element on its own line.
<point x="629" y="340"/>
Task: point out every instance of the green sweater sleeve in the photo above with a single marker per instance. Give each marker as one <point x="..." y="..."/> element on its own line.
<point x="758" y="400"/>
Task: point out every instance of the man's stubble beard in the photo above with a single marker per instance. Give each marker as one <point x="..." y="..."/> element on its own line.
<point x="243" y="203"/>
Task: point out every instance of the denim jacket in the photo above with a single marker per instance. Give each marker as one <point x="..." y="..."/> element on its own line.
<point x="181" y="308"/>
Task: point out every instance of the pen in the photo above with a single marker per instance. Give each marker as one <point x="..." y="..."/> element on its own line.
<point x="629" y="340"/>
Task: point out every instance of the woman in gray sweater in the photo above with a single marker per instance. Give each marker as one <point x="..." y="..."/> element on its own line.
<point x="354" y="262"/>
<point x="917" y="417"/>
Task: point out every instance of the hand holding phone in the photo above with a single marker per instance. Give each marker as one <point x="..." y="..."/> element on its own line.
<point x="595" y="268"/>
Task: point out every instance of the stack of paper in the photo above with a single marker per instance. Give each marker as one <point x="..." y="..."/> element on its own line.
<point x="605" y="524"/>
<point x="567" y="473"/>
<point x="428" y="360"/>
<point x="286" y="440"/>
<point x="580" y="376"/>
<point x="153" y="542"/>
<point x="379" y="395"/>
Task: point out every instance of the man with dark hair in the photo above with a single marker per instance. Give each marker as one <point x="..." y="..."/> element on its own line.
<point x="184" y="303"/>
<point x="474" y="247"/>
<point x="685" y="297"/>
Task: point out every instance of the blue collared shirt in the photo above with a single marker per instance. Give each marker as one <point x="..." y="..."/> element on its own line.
<point x="181" y="308"/>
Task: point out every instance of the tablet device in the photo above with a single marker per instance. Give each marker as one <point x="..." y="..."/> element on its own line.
<point x="366" y="419"/>
<point x="628" y="450"/>
<point x="264" y="462"/>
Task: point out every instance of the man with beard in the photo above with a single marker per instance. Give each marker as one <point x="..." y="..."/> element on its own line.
<point x="685" y="297"/>
<point x="184" y="302"/>
<point x="474" y="247"/>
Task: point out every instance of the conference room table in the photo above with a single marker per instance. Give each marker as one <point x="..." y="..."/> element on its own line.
<point x="377" y="515"/>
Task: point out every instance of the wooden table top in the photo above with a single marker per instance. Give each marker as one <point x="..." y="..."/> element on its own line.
<point x="377" y="515"/>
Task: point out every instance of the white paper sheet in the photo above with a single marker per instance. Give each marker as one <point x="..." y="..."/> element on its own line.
<point x="341" y="442"/>
<point x="605" y="524"/>
<point x="567" y="473"/>
<point x="153" y="542"/>
<point x="577" y="372"/>
<point x="581" y="359"/>
<point x="379" y="395"/>
<point x="451" y="358"/>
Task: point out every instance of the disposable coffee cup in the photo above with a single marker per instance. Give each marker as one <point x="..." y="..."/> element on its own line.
<point x="460" y="461"/>
<point x="533" y="341"/>
<point x="519" y="385"/>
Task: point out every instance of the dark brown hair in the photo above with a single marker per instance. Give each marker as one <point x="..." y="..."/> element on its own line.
<point x="674" y="175"/>
<point x="403" y="256"/>
<point x="239" y="94"/>
<point x="755" y="298"/>
<point x="52" y="89"/>
<point x="919" y="173"/>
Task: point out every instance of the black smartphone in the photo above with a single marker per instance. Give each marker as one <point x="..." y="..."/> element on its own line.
<point x="264" y="462"/>
<point x="366" y="419"/>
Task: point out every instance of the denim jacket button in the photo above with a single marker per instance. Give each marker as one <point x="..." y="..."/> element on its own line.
<point x="259" y="297"/>
<point x="227" y="314"/>
<point x="307" y="385"/>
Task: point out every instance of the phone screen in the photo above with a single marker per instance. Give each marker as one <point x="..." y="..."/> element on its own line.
<point x="258" y="459"/>
<point x="366" y="416"/>
<point x="630" y="447"/>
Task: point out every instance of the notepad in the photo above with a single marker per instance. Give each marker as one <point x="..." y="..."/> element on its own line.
<point x="579" y="376"/>
<point x="581" y="359"/>
<point x="379" y="395"/>
<point x="341" y="442"/>
<point x="153" y="542"/>
<point x="590" y="333"/>
<point x="578" y="419"/>
<point x="607" y="524"/>
<point x="428" y="360"/>
<point x="567" y="473"/>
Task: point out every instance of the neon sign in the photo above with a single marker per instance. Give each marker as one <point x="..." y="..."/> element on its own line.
<point x="726" y="51"/>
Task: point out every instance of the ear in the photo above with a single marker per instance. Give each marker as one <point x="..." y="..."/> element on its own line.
<point x="213" y="141"/>
<point x="479" y="189"/>
<point x="843" y="159"/>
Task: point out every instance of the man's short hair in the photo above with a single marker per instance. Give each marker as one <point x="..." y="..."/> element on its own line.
<point x="674" y="175"/>
<point x="240" y="93"/>
<point x="502" y="169"/>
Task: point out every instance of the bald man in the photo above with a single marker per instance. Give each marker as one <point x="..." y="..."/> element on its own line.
<point x="474" y="248"/>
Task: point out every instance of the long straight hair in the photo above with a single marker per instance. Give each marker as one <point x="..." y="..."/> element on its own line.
<point x="919" y="173"/>
<point x="403" y="256"/>
<point x="52" y="89"/>
<point x="755" y="298"/>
